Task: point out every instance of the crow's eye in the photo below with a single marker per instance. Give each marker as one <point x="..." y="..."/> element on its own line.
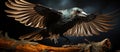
<point x="78" y="11"/>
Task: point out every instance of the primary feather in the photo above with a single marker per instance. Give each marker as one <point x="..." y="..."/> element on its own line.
<point x="70" y="22"/>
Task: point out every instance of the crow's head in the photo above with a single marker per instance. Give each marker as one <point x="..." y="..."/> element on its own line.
<point x="78" y="12"/>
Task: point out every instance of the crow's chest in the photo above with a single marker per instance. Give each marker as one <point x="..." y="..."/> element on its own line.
<point x="62" y="26"/>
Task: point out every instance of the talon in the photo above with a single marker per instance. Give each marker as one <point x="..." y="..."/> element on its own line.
<point x="54" y="37"/>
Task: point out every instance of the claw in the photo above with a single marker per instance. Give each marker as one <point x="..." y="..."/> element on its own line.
<point x="6" y="35"/>
<point x="54" y="37"/>
<point x="1" y="34"/>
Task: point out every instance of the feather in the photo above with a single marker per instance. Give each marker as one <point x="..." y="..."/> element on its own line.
<point x="15" y="12"/>
<point x="17" y="5"/>
<point x="16" y="8"/>
<point x="20" y="3"/>
<point x="88" y="29"/>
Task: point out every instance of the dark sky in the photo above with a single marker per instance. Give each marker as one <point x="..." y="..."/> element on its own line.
<point x="15" y="29"/>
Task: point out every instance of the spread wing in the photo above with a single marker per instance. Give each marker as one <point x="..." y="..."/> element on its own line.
<point x="34" y="15"/>
<point x="91" y="25"/>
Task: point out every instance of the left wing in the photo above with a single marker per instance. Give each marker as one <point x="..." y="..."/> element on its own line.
<point x="30" y="14"/>
<point x="91" y="25"/>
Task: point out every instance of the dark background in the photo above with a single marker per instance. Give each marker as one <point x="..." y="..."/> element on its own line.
<point x="15" y="29"/>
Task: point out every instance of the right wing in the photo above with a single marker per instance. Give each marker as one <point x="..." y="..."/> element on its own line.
<point x="91" y="25"/>
<point x="34" y="15"/>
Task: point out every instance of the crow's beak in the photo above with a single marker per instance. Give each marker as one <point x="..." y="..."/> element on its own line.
<point x="83" y="14"/>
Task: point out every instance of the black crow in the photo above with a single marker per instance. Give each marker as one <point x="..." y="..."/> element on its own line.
<point x="55" y="23"/>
